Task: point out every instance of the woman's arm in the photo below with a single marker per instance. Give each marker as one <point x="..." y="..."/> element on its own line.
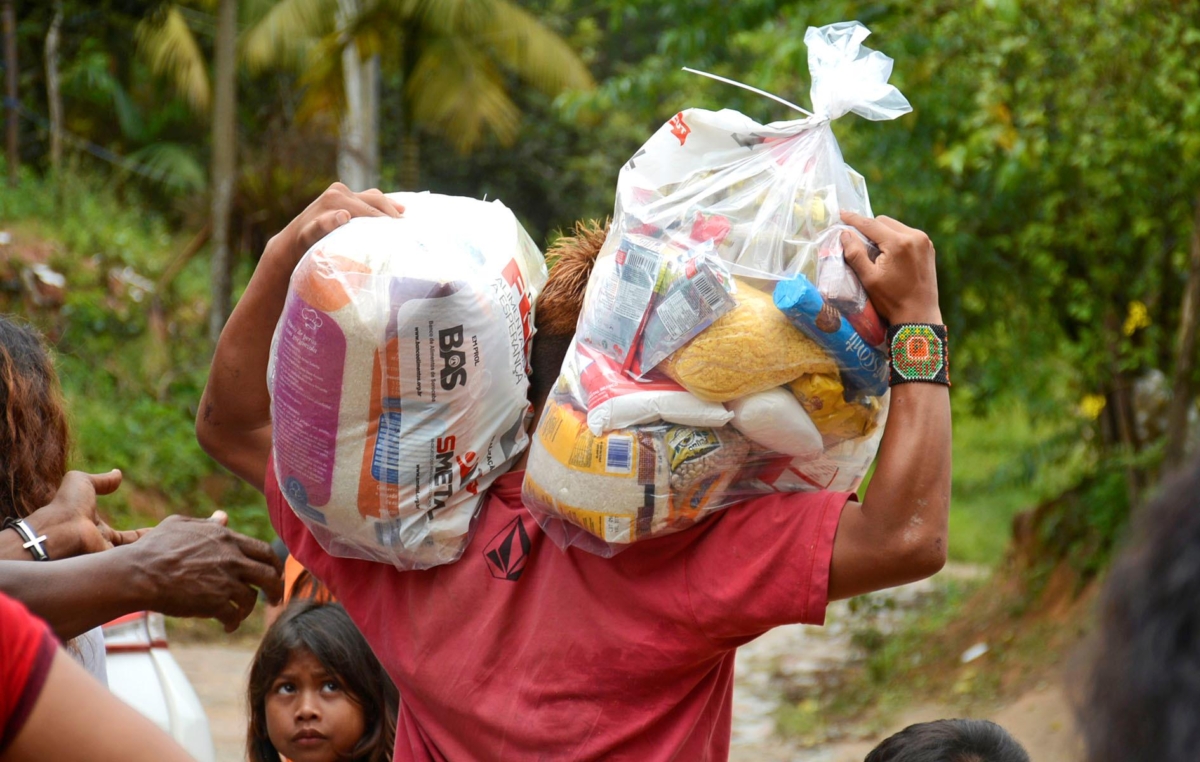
<point x="183" y="567"/>
<point x="69" y="522"/>
<point x="75" y="719"/>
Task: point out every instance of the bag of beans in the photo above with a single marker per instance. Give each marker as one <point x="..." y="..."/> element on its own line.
<point x="723" y="271"/>
<point x="398" y="377"/>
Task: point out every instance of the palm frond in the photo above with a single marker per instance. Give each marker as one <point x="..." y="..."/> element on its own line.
<point x="533" y="51"/>
<point x="172" y="164"/>
<point x="171" y="50"/>
<point x="447" y="17"/>
<point x="285" y="34"/>
<point x="456" y="91"/>
<point x="323" y="82"/>
<point x="93" y="71"/>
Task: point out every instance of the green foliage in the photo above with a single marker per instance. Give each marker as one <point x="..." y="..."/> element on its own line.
<point x="131" y="397"/>
<point x="1005" y="461"/>
<point x="1052" y="156"/>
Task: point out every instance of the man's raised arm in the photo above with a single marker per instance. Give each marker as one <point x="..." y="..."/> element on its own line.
<point x="233" y="424"/>
<point x="898" y="533"/>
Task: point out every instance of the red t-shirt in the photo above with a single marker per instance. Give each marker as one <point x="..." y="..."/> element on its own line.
<point x="523" y="651"/>
<point x="26" y="650"/>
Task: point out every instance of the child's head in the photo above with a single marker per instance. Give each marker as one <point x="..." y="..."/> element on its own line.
<point x="33" y="424"/>
<point x="317" y="693"/>
<point x="950" y="741"/>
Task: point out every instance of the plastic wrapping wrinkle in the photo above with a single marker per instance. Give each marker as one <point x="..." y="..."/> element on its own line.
<point x="398" y="377"/>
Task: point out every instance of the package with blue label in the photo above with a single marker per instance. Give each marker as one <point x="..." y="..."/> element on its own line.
<point x="398" y="377"/>
<point x="723" y="272"/>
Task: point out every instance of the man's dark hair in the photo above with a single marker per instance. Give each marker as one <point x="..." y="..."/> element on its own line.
<point x="570" y="259"/>
<point x="950" y="741"/>
<point x="1142" y="699"/>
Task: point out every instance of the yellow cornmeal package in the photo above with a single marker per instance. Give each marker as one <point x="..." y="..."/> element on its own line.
<point x="750" y="349"/>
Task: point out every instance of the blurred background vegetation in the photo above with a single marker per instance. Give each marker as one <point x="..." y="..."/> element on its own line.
<point x="1053" y="154"/>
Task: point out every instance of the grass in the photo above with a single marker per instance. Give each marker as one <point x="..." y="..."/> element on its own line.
<point x="919" y="662"/>
<point x="1004" y="462"/>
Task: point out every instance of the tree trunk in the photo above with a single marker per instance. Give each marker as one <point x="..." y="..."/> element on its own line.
<point x="224" y="139"/>
<point x="1185" y="354"/>
<point x="410" y="160"/>
<point x="410" y="147"/>
<point x="358" y="133"/>
<point x="10" y="90"/>
<point x="53" y="97"/>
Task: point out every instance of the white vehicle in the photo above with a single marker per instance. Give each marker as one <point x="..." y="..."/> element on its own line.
<point x="143" y="674"/>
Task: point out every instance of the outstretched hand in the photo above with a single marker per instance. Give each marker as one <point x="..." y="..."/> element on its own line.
<point x="902" y="280"/>
<point x="201" y="568"/>
<point x="70" y="521"/>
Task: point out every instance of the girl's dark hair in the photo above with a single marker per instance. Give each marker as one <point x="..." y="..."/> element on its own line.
<point x="950" y="741"/>
<point x="1142" y="695"/>
<point x="33" y="422"/>
<point x="325" y="631"/>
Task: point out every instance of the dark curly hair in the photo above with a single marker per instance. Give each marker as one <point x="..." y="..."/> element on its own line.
<point x="1142" y="697"/>
<point x="570" y="259"/>
<point x="325" y="631"/>
<point x="33" y="422"/>
<point x="950" y="741"/>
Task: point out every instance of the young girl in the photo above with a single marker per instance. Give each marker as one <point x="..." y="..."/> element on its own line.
<point x="317" y="693"/>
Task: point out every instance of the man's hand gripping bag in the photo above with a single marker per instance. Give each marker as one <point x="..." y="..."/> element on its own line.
<point x="398" y="377"/>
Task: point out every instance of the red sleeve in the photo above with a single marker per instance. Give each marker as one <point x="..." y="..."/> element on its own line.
<point x="764" y="563"/>
<point x="26" y="650"/>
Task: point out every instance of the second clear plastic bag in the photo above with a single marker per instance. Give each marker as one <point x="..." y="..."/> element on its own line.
<point x="723" y="273"/>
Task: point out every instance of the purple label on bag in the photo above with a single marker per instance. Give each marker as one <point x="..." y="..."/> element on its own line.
<point x="309" y="364"/>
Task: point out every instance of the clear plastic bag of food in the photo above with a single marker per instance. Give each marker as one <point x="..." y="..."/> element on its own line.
<point x="778" y="331"/>
<point x="399" y="377"/>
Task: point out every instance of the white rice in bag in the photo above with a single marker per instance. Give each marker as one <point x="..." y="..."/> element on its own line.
<point x="398" y="377"/>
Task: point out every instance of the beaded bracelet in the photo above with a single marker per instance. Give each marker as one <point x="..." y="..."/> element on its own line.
<point x="920" y="352"/>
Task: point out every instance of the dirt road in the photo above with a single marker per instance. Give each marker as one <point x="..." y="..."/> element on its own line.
<point x="219" y="673"/>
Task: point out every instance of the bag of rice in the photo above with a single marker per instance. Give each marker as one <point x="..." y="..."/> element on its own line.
<point x="778" y="328"/>
<point x="627" y="484"/>
<point x="398" y="377"/>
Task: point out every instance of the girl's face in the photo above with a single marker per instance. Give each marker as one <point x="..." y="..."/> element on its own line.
<point x="310" y="717"/>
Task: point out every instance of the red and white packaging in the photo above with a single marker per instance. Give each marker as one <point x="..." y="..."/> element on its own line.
<point x="616" y="401"/>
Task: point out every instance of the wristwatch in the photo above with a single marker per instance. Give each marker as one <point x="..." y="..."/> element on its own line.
<point x="34" y="543"/>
